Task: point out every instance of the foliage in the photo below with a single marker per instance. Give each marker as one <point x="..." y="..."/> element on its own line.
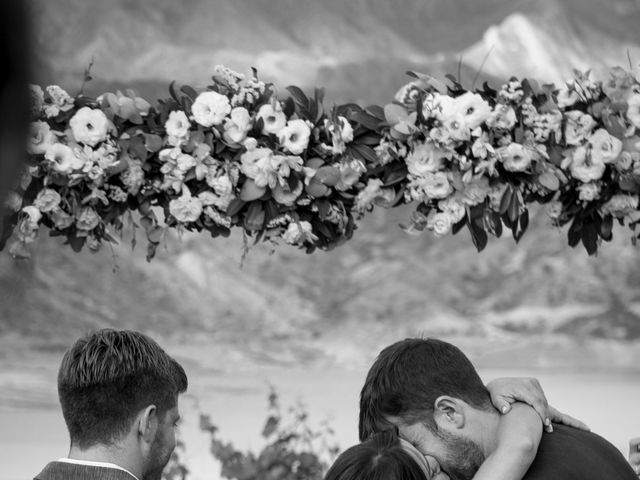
<point x="293" y="449"/>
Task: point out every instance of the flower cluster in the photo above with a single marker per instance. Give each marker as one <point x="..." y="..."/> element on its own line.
<point x="234" y="154"/>
<point x="478" y="159"/>
<point x="231" y="155"/>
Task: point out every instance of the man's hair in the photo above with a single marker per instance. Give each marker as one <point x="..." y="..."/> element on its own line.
<point x="107" y="377"/>
<point x="407" y="378"/>
<point x="381" y="457"/>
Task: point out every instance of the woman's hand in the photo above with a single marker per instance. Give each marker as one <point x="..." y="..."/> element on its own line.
<point x="505" y="391"/>
<point x="634" y="454"/>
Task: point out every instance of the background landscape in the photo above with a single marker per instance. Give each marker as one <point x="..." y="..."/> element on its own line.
<point x="311" y="325"/>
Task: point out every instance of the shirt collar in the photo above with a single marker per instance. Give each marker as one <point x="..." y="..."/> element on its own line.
<point x="96" y="464"/>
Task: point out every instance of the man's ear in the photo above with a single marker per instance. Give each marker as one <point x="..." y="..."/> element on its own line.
<point x="148" y="422"/>
<point x="448" y="413"/>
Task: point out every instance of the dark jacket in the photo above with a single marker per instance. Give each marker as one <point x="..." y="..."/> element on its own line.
<point x="571" y="454"/>
<point x="72" y="471"/>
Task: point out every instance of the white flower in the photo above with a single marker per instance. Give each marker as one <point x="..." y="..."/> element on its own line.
<point x="251" y="162"/>
<point x="63" y="158"/>
<point x="294" y="137"/>
<point x="59" y="101"/>
<point x="207" y="198"/>
<point x="177" y="127"/>
<point x="273" y="118"/>
<point x="589" y="191"/>
<point x="13" y="201"/>
<point x="515" y="157"/>
<point x="33" y="214"/>
<point x="61" y="219"/>
<point x="186" y="209"/>
<point x="456" y="127"/>
<point x="425" y="158"/>
<point x="454" y="208"/>
<point x="438" y="106"/>
<point x="436" y="185"/>
<point x="503" y="117"/>
<point x="37" y="99"/>
<point x="620" y="205"/>
<point x="237" y="126"/>
<point x="89" y="126"/>
<point x="341" y="133"/>
<point x="481" y="146"/>
<point x="605" y="147"/>
<point x="440" y="223"/>
<point x="350" y="173"/>
<point x="133" y="177"/>
<point x="579" y="126"/>
<point x="633" y="109"/>
<point x="299" y="232"/>
<point x="87" y="219"/>
<point x="567" y="98"/>
<point x="554" y="209"/>
<point x="584" y="168"/>
<point x="47" y="200"/>
<point x="210" y="108"/>
<point x="474" y="109"/>
<point x="476" y="191"/>
<point x="40" y="138"/>
<point x="373" y="192"/>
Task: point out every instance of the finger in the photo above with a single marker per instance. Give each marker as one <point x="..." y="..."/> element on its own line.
<point x="558" y="417"/>
<point x="502" y="403"/>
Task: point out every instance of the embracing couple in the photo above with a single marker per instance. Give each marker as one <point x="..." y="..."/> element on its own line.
<point x="423" y="409"/>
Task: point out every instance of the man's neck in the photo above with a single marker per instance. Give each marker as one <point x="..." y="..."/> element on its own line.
<point x="487" y="431"/>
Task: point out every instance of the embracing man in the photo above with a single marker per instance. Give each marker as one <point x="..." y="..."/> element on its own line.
<point x="119" y="396"/>
<point x="430" y="392"/>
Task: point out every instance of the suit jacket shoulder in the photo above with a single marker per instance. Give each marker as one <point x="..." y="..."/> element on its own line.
<point x="72" y="471"/>
<point x="572" y="454"/>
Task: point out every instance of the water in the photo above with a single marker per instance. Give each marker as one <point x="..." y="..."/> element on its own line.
<point x="606" y="401"/>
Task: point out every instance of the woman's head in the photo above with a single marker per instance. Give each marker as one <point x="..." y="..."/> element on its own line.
<point x="384" y="456"/>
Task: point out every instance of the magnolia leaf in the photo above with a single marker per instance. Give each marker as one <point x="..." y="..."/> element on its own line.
<point x="328" y="175"/>
<point x="254" y="219"/>
<point x="154" y="235"/>
<point x="316" y="189"/>
<point x="315" y="162"/>
<point x="549" y="181"/>
<point x="575" y="232"/>
<point x="590" y="238"/>
<point x="235" y="206"/>
<point x="299" y="96"/>
<point x="506" y="200"/>
<point x="395" y="113"/>
<point x="250" y="191"/>
<point x="606" y="228"/>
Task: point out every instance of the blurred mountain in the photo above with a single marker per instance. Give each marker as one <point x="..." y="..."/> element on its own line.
<point x="384" y="284"/>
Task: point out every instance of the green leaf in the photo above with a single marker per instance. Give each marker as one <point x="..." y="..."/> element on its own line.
<point x="394" y="113"/>
<point x="606" y="228"/>
<point x="270" y="426"/>
<point x="363" y="118"/>
<point x="189" y="91"/>
<point x="250" y="191"/>
<point x="575" y="232"/>
<point x="478" y="236"/>
<point x="235" y="206"/>
<point x="590" y="238"/>
<point x="299" y="96"/>
<point x="254" y="219"/>
<point x="549" y="181"/>
<point x="505" y="201"/>
<point x="365" y="152"/>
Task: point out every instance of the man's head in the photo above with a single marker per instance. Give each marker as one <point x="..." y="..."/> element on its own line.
<point x="431" y="392"/>
<point x="119" y="390"/>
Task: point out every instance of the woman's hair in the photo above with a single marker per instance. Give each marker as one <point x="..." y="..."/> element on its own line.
<point x="383" y="456"/>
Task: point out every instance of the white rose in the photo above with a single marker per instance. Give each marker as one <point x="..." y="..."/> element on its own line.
<point x="185" y="162"/>
<point x="63" y="158"/>
<point x="579" y="126"/>
<point x="237" y="126"/>
<point x="633" y="109"/>
<point x="589" y="191"/>
<point x="425" y="158"/>
<point x="554" y="210"/>
<point x="503" y="117"/>
<point x="474" y="109"/>
<point x="438" y="106"/>
<point x="185" y="209"/>
<point x="47" y="200"/>
<point x="177" y="127"/>
<point x="457" y="127"/>
<point x="620" y="205"/>
<point x="251" y="161"/>
<point x="89" y="126"/>
<point x="210" y="108"/>
<point x="299" y="232"/>
<point x="273" y="118"/>
<point x="454" y="208"/>
<point x="515" y="157"/>
<point x="13" y="201"/>
<point x="40" y="138"/>
<point x="87" y="219"/>
<point x="207" y="198"/>
<point x="436" y="185"/>
<point x="585" y="168"/>
<point x="350" y="173"/>
<point x="294" y="137"/>
<point x="567" y="98"/>
<point x="33" y="214"/>
<point x="59" y="96"/>
<point x="476" y="191"/>
<point x="440" y="223"/>
<point x="605" y="148"/>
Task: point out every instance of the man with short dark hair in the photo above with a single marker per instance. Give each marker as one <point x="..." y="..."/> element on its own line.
<point x="119" y="395"/>
<point x="430" y="391"/>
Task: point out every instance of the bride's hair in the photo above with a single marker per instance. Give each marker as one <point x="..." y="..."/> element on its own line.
<point x="107" y="377"/>
<point x="409" y="375"/>
<point x="381" y="457"/>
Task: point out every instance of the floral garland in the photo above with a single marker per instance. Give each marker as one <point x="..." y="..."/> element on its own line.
<point x="235" y="155"/>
